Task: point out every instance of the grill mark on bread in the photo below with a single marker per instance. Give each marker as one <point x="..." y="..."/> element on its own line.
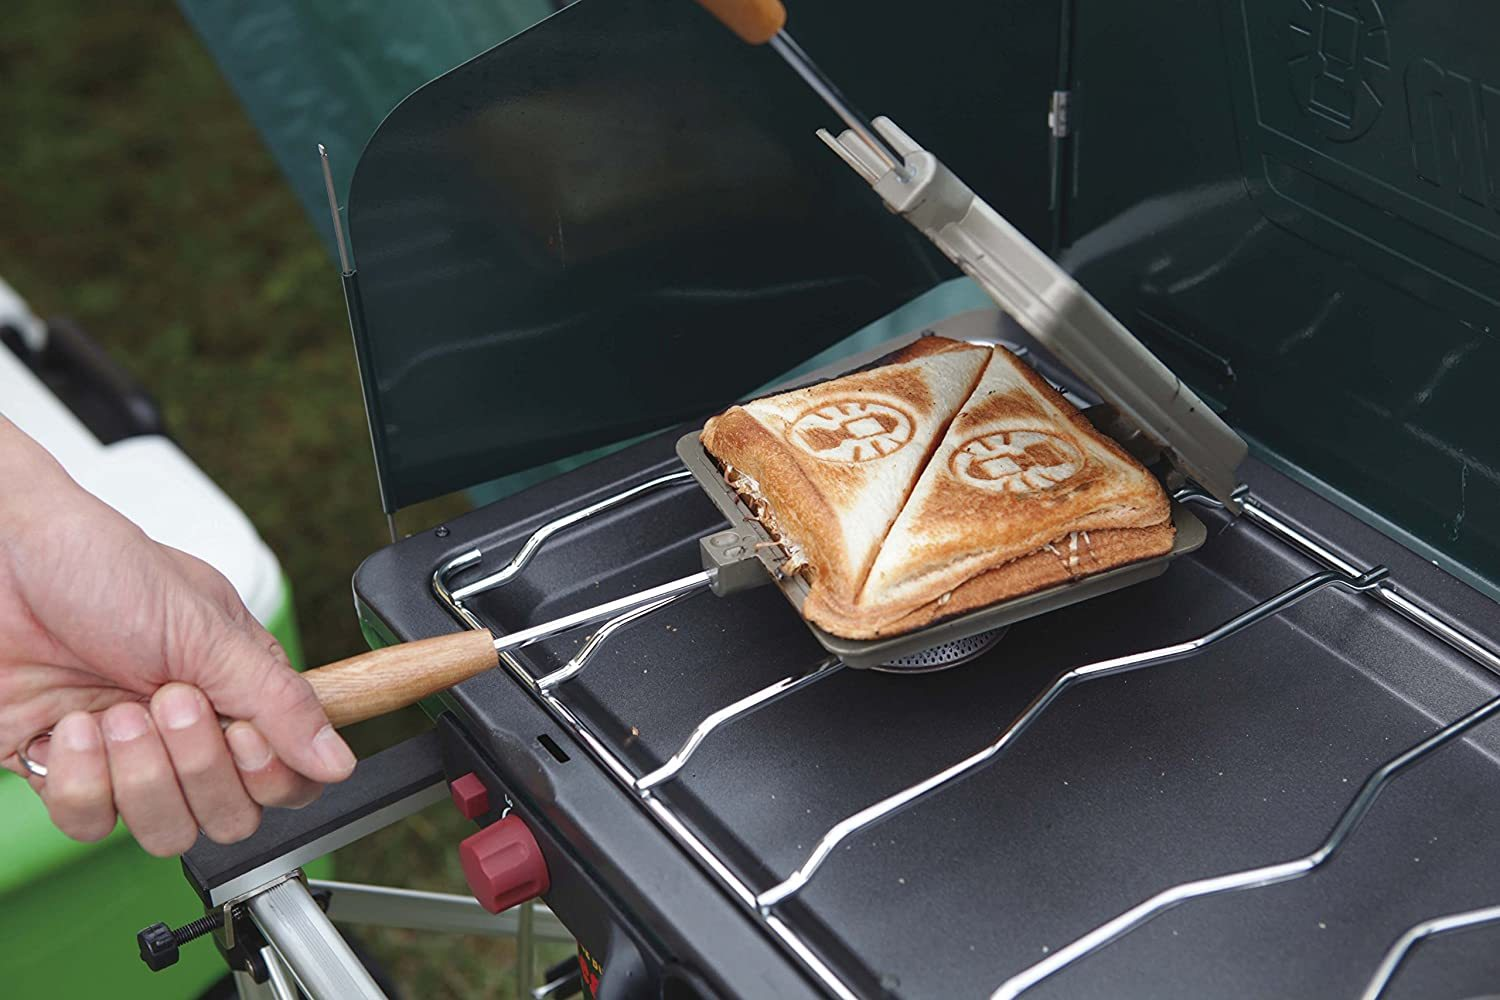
<point x="1045" y="388"/>
<point x="932" y="447"/>
<point x="803" y="495"/>
<point x="1044" y="453"/>
<point x="985" y="506"/>
<point x="953" y="500"/>
<point x="909" y="387"/>
<point x="997" y="406"/>
<point x="924" y="347"/>
<point x="822" y="439"/>
<point x="906" y="385"/>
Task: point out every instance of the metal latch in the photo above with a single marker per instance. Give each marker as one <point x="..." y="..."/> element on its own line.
<point x="732" y="556"/>
<point x="1057" y="113"/>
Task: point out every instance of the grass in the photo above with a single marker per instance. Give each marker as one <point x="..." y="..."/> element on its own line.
<point x="136" y="198"/>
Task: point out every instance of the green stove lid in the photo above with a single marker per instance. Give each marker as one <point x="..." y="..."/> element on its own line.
<point x="622" y="218"/>
<point x="1295" y="204"/>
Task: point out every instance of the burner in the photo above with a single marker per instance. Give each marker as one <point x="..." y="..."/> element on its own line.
<point x="945" y="655"/>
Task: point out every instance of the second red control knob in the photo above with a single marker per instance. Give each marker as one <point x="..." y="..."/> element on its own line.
<point x="503" y="865"/>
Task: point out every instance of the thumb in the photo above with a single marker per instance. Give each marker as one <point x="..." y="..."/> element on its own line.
<point x="256" y="683"/>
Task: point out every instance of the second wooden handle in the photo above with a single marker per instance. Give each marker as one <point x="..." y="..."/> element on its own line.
<point x="384" y="680"/>
<point x="755" y="21"/>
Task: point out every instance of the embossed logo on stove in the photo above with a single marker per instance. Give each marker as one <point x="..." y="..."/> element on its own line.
<point x="1451" y="114"/>
<point x="1339" y="64"/>
<point x="851" y="430"/>
<point x="1017" y="461"/>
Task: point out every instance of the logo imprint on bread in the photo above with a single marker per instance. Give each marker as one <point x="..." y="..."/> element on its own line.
<point x="851" y="430"/>
<point x="1017" y="461"/>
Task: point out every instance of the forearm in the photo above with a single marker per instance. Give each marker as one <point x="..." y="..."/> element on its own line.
<point x="32" y="483"/>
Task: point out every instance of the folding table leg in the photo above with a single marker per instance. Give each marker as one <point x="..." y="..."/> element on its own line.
<point x="305" y="939"/>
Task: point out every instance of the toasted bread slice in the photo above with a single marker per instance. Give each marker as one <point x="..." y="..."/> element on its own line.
<point x="828" y="467"/>
<point x="1021" y="493"/>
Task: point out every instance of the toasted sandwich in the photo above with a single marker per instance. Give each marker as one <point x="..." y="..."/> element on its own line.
<point x="827" y="468"/>
<point x="1021" y="494"/>
<point x="952" y="478"/>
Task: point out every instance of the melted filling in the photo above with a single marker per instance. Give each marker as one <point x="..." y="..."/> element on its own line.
<point x="748" y="490"/>
<point x="1073" y="561"/>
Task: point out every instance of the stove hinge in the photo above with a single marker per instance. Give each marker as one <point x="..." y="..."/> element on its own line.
<point x="1057" y="113"/>
<point x="1060" y="161"/>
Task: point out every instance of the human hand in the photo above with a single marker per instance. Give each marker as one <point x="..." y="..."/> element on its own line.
<point x="128" y="650"/>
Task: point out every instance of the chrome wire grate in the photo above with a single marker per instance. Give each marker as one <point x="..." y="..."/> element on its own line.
<point x="1249" y="878"/>
<point x="1415" y="935"/>
<point x="1337" y="573"/>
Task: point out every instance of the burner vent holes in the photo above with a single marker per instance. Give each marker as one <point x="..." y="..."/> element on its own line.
<point x="948" y="654"/>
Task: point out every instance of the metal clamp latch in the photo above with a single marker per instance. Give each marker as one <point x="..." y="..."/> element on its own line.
<point x="734" y="561"/>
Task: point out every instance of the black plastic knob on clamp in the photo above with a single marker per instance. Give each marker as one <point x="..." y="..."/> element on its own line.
<point x="159" y="943"/>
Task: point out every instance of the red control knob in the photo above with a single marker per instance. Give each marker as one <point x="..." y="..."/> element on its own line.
<point x="504" y="865"/>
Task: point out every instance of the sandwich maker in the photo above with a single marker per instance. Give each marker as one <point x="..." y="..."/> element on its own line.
<point x="746" y="551"/>
<point x="1269" y="771"/>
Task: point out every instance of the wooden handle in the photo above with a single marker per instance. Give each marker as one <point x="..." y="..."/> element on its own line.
<point x="755" y="21"/>
<point x="384" y="680"/>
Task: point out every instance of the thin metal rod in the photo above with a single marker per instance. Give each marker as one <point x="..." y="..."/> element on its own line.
<point x="1249" y="878"/>
<point x="1428" y="928"/>
<point x="736" y="710"/>
<point x="444" y="573"/>
<point x="567" y="984"/>
<point x="246" y="988"/>
<point x="319" y="958"/>
<point x="1386" y="594"/>
<point x="893" y="804"/>
<point x="575" y="666"/>
<point x="531" y="545"/>
<point x="1415" y="612"/>
<point x="278" y="977"/>
<point x="825" y="88"/>
<point x="809" y="957"/>
<point x="338" y="225"/>
<point x="651" y="595"/>
<point x="413" y="909"/>
<point x="525" y="949"/>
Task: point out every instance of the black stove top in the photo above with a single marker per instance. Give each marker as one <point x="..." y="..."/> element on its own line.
<point x="1244" y="754"/>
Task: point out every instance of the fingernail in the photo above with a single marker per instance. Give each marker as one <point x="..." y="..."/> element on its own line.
<point x="78" y="733"/>
<point x="125" y="723"/>
<point x="251" y="753"/>
<point x="179" y="707"/>
<point x="333" y="751"/>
